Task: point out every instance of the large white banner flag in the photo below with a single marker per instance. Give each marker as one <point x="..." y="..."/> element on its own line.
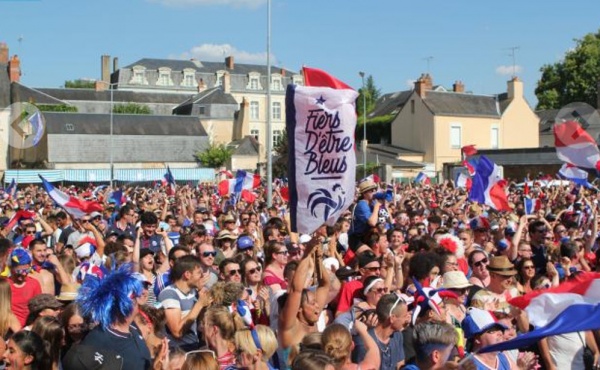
<point x="320" y="124"/>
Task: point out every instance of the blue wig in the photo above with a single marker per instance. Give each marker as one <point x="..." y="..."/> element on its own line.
<point x="110" y="300"/>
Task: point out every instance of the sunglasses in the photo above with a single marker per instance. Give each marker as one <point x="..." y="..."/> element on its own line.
<point x="460" y="291"/>
<point x="30" y="233"/>
<point x="541" y="231"/>
<point x="398" y="300"/>
<point x="530" y="267"/>
<point x="481" y="262"/>
<point x="235" y="272"/>
<point x="372" y="268"/>
<point x="285" y="253"/>
<point x="200" y="351"/>
<point x="84" y="221"/>
<point x="209" y="254"/>
<point x="255" y="270"/>
<point x="380" y="290"/>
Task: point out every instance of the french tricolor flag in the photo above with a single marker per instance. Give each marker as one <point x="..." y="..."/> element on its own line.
<point x="464" y="181"/>
<point x="571" y="307"/>
<point x="488" y="185"/>
<point x="74" y="206"/>
<point x="574" y="145"/>
<point x="577" y="175"/>
<point x="422" y="178"/>
<point x="531" y="205"/>
<point x="242" y="181"/>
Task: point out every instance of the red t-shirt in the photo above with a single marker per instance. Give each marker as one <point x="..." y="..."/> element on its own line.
<point x="22" y="295"/>
<point x="349" y="291"/>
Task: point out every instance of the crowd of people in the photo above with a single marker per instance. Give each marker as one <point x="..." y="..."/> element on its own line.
<point x="410" y="277"/>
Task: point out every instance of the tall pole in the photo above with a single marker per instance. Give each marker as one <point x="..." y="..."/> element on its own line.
<point x="269" y="128"/>
<point x="111" y="136"/>
<point x="364" y="143"/>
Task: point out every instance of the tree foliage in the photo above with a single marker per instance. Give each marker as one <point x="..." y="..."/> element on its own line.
<point x="281" y="161"/>
<point x="80" y="84"/>
<point x="215" y="156"/>
<point x="131" y="108"/>
<point x="371" y="93"/>
<point x="573" y="79"/>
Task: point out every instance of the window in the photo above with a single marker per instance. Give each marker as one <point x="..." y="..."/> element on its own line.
<point x="297" y="80"/>
<point x="255" y="132"/>
<point x="163" y="80"/>
<point x="455" y="136"/>
<point x="219" y="81"/>
<point x="138" y="76"/>
<point x="254" y="84"/>
<point x="202" y="110"/>
<point x="495" y="137"/>
<point x="164" y="77"/>
<point x="276" y="110"/>
<point x="254" y="110"/>
<point x="254" y="81"/>
<point x="276" y="86"/>
<point x="277" y="134"/>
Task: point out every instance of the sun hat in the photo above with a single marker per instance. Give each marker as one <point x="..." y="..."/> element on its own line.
<point x="502" y="266"/>
<point x="477" y="321"/>
<point x="68" y="292"/>
<point x="366" y="185"/>
<point x="455" y="280"/>
<point x="225" y="234"/>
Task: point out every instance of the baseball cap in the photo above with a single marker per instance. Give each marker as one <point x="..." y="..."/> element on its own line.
<point x="92" y="358"/>
<point x="365" y="258"/>
<point x="95" y="214"/>
<point x="145" y="251"/>
<point x="41" y="302"/>
<point x="478" y="321"/>
<point x="245" y="242"/>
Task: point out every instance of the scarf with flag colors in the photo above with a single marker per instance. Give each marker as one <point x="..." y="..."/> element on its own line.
<point x="242" y="181"/>
<point x="320" y="122"/>
<point x="575" y="146"/>
<point x="488" y="185"/>
<point x="74" y="206"/>
<point x="571" y="307"/>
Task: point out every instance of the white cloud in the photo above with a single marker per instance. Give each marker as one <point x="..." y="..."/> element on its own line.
<point x="232" y="3"/>
<point x="410" y="83"/>
<point x="218" y="53"/>
<point x="509" y="70"/>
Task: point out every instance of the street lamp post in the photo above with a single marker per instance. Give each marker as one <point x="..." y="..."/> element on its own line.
<point x="269" y="128"/>
<point x="112" y="169"/>
<point x="364" y="141"/>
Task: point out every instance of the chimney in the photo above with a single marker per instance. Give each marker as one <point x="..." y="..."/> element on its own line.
<point x="226" y="83"/>
<point x="105" y="68"/>
<point x="458" y="87"/>
<point x="229" y="62"/>
<point x="423" y="84"/>
<point x="201" y="85"/>
<point x="3" y="53"/>
<point x="14" y="69"/>
<point x="99" y="85"/>
<point x="282" y="72"/>
<point x="115" y="64"/>
<point x="515" y="88"/>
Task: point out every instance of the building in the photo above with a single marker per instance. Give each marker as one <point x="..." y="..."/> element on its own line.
<point x="433" y="124"/>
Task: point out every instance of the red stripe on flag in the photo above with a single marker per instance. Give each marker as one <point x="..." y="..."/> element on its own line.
<point x="318" y="78"/>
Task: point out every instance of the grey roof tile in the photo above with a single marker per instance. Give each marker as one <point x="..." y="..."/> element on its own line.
<point x="461" y="104"/>
<point x="119" y="96"/>
<point x="246" y="146"/>
<point x="390" y="103"/>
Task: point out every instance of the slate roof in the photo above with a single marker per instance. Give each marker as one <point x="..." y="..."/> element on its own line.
<point x="390" y="103"/>
<point x="207" y="67"/>
<point x="503" y="102"/>
<point x="118" y="95"/>
<point x="461" y="104"/>
<point x="246" y="146"/>
<point x="123" y="124"/>
<point x="522" y="156"/>
<point x="215" y="95"/>
<point x="28" y="94"/>
<point x="384" y="159"/>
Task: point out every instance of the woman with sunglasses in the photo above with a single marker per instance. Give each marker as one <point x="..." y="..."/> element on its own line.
<point x="200" y="360"/>
<point x="276" y="257"/>
<point x="374" y="289"/>
<point x="257" y="291"/>
<point x="254" y="347"/>
<point x="525" y="275"/>
<point x="478" y="262"/>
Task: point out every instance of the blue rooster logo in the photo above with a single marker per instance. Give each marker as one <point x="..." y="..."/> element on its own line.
<point x="326" y="198"/>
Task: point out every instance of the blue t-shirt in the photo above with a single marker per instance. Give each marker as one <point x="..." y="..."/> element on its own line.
<point x="173" y="298"/>
<point x="390" y="353"/>
<point x="362" y="212"/>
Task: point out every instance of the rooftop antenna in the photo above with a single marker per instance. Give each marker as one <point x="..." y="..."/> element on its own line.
<point x="428" y="59"/>
<point x="20" y="40"/>
<point x="513" y="55"/>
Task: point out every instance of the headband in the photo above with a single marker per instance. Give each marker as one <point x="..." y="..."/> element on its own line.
<point x="368" y="287"/>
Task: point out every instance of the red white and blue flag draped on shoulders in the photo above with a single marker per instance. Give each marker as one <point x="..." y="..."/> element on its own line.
<point x="571" y="307"/>
<point x="320" y="122"/>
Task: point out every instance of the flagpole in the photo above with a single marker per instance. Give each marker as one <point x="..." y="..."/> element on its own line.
<point x="269" y="128"/>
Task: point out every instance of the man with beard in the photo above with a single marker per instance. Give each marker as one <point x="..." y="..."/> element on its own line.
<point x="303" y="307"/>
<point x="46" y="267"/>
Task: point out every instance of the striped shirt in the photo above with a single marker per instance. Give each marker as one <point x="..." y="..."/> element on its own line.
<point x="173" y="298"/>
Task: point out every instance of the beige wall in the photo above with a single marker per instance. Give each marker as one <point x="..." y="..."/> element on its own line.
<point x="520" y="126"/>
<point x="474" y="130"/>
<point x="414" y="131"/>
<point x="243" y="162"/>
<point x="218" y="131"/>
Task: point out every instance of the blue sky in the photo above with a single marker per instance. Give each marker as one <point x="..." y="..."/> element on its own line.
<point x="469" y="40"/>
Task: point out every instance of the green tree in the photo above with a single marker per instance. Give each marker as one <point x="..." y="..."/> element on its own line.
<point x="80" y="84"/>
<point x="371" y="93"/>
<point x="215" y="156"/>
<point x="281" y="160"/>
<point x="573" y="79"/>
<point x="131" y="108"/>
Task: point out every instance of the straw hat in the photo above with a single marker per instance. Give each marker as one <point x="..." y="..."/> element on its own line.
<point x="455" y="280"/>
<point x="366" y="186"/>
<point x="502" y="266"/>
<point x="68" y="292"/>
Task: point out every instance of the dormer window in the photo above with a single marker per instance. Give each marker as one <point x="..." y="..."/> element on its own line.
<point x="189" y="78"/>
<point x="164" y="77"/>
<point x="220" y="76"/>
<point x="254" y="81"/>
<point x="276" y="84"/>
<point x="297" y="80"/>
<point x="139" y="76"/>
